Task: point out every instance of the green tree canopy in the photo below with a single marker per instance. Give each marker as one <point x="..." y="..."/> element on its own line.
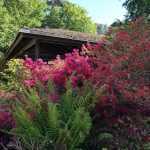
<point x="15" y="14"/>
<point x="69" y="16"/>
<point x="137" y="8"/>
<point x="55" y="2"/>
<point x="101" y="28"/>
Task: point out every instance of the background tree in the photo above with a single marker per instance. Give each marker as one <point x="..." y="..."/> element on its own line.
<point x="69" y="16"/>
<point x="5" y="27"/>
<point x="137" y="8"/>
<point x="55" y="2"/>
<point x="101" y="28"/>
<point x="17" y="14"/>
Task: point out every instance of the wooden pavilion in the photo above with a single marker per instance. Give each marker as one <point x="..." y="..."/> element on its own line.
<point x="47" y="43"/>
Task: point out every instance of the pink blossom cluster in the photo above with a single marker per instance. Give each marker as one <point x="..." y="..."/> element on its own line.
<point x="74" y="65"/>
<point x="37" y="71"/>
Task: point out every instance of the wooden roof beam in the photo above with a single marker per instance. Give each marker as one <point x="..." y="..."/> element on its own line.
<point x="31" y="43"/>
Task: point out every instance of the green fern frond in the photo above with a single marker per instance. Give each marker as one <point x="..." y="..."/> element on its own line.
<point x="66" y="104"/>
<point x="53" y="121"/>
<point x="105" y="136"/>
<point x="80" y="127"/>
<point x="25" y="125"/>
<point x="31" y="97"/>
<point x="86" y="98"/>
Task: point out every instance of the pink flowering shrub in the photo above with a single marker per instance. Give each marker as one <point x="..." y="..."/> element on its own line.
<point x="74" y="65"/>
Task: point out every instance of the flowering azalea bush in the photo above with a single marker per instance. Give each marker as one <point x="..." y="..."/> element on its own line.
<point x="59" y="70"/>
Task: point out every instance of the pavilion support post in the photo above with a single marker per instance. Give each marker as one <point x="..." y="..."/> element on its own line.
<point x="37" y="48"/>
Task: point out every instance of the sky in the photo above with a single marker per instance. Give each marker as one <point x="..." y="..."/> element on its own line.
<point x="103" y="11"/>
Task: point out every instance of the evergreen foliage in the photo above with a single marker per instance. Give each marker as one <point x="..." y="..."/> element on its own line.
<point x="17" y="14"/>
<point x="43" y="124"/>
<point x="69" y="16"/>
<point x="137" y="8"/>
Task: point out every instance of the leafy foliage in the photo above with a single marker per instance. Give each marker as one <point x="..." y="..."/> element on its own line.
<point x="18" y="14"/>
<point x="137" y="8"/>
<point x="69" y="16"/>
<point x="122" y="69"/>
<point x="10" y="75"/>
<point x="44" y="124"/>
<point x="101" y="28"/>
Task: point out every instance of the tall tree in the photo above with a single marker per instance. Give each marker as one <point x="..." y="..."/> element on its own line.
<point x="137" y="8"/>
<point x="69" y="16"/>
<point x="101" y="28"/>
<point x="55" y="2"/>
<point x="15" y="14"/>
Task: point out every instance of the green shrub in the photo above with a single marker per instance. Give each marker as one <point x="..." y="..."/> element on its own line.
<point x="44" y="124"/>
<point x="10" y="76"/>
